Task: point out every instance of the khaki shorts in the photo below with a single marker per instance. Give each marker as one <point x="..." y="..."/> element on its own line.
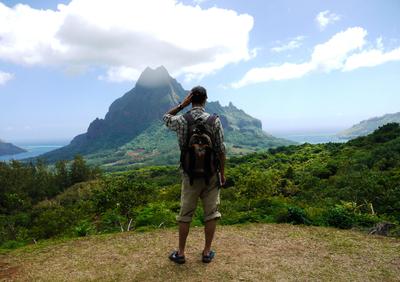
<point x="209" y="195"/>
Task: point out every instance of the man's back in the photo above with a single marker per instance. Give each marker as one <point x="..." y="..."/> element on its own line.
<point x="189" y="128"/>
<point x="180" y="125"/>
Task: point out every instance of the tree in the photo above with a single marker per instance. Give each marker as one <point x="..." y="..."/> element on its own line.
<point x="79" y="171"/>
<point x="62" y="178"/>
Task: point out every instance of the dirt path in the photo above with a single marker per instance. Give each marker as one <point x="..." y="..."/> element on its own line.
<point x="7" y="272"/>
<point x="256" y="252"/>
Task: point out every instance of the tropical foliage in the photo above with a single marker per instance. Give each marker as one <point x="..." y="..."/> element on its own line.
<point x="345" y="185"/>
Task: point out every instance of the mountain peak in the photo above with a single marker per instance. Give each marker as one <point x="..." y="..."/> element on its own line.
<point x="154" y="77"/>
<point x="136" y="117"/>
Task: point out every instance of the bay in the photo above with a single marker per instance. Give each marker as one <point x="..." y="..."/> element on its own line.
<point x="33" y="150"/>
<point x="316" y="138"/>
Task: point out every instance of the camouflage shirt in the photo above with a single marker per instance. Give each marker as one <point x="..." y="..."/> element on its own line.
<point x="179" y="125"/>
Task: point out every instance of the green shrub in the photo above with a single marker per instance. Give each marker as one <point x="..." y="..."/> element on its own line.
<point x="170" y="193"/>
<point x="238" y="217"/>
<point x="12" y="244"/>
<point x="155" y="214"/>
<point x="395" y="231"/>
<point x="366" y="220"/>
<point x="291" y="214"/>
<point x="280" y="214"/>
<point x="198" y="217"/>
<point x="258" y="183"/>
<point x="145" y="229"/>
<point x="84" y="228"/>
<point x="339" y="217"/>
<point x="111" y="221"/>
<point x="315" y="215"/>
<point x="50" y="220"/>
<point x="297" y="215"/>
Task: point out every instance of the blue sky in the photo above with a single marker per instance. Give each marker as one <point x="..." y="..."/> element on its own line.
<point x="299" y="66"/>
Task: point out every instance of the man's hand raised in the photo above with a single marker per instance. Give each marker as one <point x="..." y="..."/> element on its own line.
<point x="188" y="99"/>
<point x="186" y="102"/>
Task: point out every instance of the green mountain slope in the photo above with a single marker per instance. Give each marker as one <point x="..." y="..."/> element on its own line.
<point x="132" y="132"/>
<point x="9" y="149"/>
<point x="368" y="126"/>
<point x="157" y="145"/>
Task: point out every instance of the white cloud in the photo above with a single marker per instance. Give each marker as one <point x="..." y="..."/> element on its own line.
<point x="340" y="52"/>
<point x="119" y="74"/>
<point x="325" y="18"/>
<point x="371" y="58"/>
<point x="5" y="77"/>
<point x="328" y="56"/>
<point x="292" y="44"/>
<point x="332" y="54"/>
<point x="125" y="36"/>
<point x="280" y="72"/>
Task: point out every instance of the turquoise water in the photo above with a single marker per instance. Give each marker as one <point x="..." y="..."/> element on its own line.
<point x="312" y="138"/>
<point x="33" y="150"/>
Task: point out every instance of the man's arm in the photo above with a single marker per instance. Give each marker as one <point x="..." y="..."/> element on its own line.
<point x="220" y="148"/>
<point x="175" y="110"/>
<point x="170" y="118"/>
<point x="181" y="106"/>
<point x="221" y="158"/>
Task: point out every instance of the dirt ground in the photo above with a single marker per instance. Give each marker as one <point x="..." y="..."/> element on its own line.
<point x="252" y="252"/>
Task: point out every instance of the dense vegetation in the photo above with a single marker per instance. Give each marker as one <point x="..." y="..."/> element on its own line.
<point x="354" y="184"/>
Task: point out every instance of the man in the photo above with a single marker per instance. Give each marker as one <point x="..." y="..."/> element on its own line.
<point x="193" y="187"/>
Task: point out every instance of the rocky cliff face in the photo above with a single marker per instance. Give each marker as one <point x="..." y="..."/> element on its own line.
<point x="139" y="109"/>
<point x="155" y="92"/>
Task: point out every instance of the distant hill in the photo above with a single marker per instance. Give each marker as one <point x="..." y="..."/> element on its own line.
<point x="132" y="131"/>
<point x="9" y="149"/>
<point x="366" y="127"/>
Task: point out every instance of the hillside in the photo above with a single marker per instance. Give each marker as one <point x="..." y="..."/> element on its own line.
<point x="9" y="149"/>
<point x="126" y="136"/>
<point x="251" y="252"/>
<point x="344" y="185"/>
<point x="366" y="127"/>
<point x="156" y="145"/>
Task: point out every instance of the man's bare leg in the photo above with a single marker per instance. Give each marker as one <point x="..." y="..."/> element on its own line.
<point x="183" y="233"/>
<point x="209" y="230"/>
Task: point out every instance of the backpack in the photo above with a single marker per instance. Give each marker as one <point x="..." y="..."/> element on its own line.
<point x="198" y="158"/>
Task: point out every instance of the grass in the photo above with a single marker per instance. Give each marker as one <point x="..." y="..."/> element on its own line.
<point x="250" y="252"/>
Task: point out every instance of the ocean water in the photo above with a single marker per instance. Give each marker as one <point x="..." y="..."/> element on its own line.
<point x="33" y="150"/>
<point x="316" y="138"/>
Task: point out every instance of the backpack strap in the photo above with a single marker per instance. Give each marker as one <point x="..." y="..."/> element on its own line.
<point x="211" y="119"/>
<point x="190" y="121"/>
<point x="189" y="118"/>
<point x="210" y="122"/>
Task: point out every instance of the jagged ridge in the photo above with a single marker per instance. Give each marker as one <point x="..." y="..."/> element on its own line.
<point x="137" y="115"/>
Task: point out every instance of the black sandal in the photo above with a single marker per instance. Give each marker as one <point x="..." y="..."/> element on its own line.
<point x="208" y="258"/>
<point x="177" y="258"/>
